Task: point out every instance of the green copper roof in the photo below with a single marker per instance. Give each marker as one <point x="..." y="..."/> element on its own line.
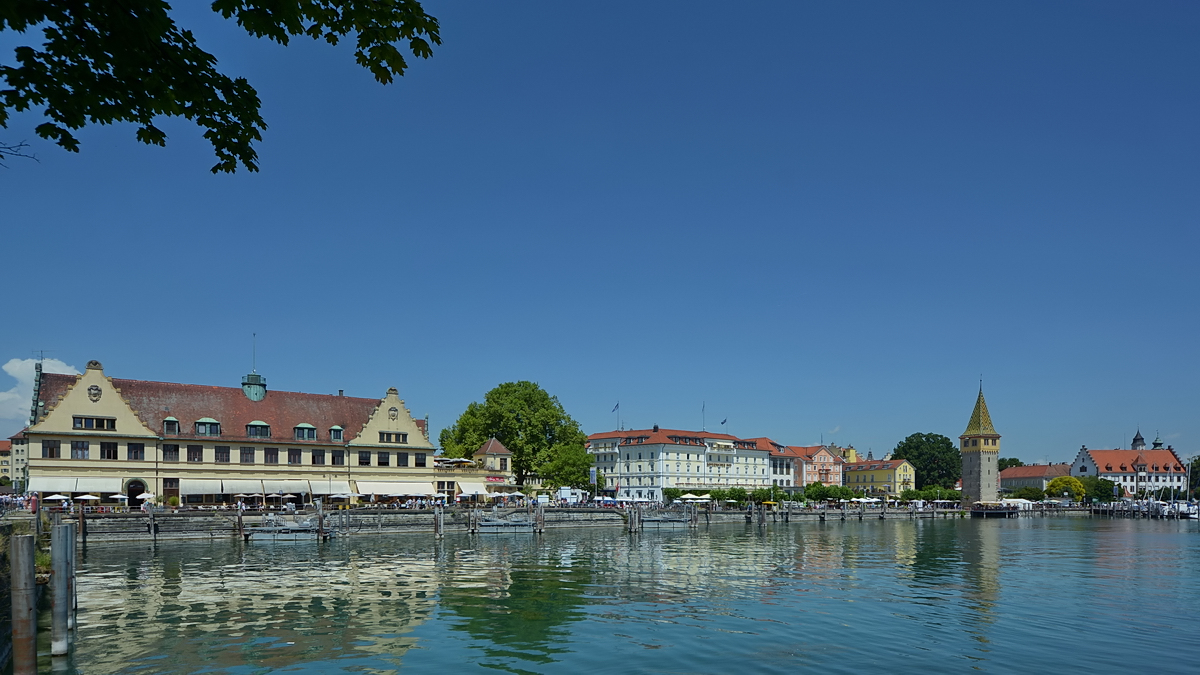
<point x="981" y="421"/>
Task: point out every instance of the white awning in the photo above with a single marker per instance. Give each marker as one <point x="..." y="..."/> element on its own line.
<point x="51" y="484"/>
<point x="395" y="488"/>
<point x="94" y="484"/>
<point x="241" y="487"/>
<point x="466" y="488"/>
<point x="328" y="487"/>
<point x="199" y="486"/>
<point x="274" y="487"/>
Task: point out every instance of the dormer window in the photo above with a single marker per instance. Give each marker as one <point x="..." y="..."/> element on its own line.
<point x="170" y="426"/>
<point x="257" y="429"/>
<point x="335" y="433"/>
<point x="390" y="437"/>
<point x="305" y="432"/>
<point x="207" y="426"/>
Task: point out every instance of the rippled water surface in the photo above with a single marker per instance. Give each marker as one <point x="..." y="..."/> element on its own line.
<point x="1046" y="595"/>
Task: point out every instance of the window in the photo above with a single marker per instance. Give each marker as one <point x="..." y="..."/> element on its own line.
<point x="401" y="459"/>
<point x="338" y="458"/>
<point x="389" y="437"/>
<point x="135" y="451"/>
<point x="385" y="459"/>
<point x="419" y="459"/>
<point x="108" y="451"/>
<point x="364" y="459"/>
<point x="1083" y="468"/>
<point x="270" y="455"/>
<point x="170" y="453"/>
<point x="293" y="455"/>
<point x="79" y="450"/>
<point x="221" y="454"/>
<point x="335" y="434"/>
<point x="170" y="426"/>
<point x="100" y="423"/>
<point x="504" y="464"/>
<point x="51" y="449"/>
<point x="170" y="483"/>
<point x="306" y="433"/>
<point x="318" y="457"/>
<point x="195" y="453"/>
<point x="258" y="430"/>
<point x="246" y="455"/>
<point x="208" y="428"/>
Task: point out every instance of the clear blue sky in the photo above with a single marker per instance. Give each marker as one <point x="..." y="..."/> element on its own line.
<point x="815" y="218"/>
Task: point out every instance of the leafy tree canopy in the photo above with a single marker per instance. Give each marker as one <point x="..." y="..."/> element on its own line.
<point x="930" y="494"/>
<point x="533" y="425"/>
<point x="110" y="61"/>
<point x="1033" y="494"/>
<point x="1100" y="489"/>
<point x="1006" y="462"/>
<point x="1069" y="484"/>
<point x="935" y="458"/>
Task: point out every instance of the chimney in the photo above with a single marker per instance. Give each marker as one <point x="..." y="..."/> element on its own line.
<point x="656" y="428"/>
<point x="341" y="392"/>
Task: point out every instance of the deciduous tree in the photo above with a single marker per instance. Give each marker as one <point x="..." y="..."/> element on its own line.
<point x="935" y="458"/>
<point x="1006" y="462"/>
<point x="1069" y="484"/>
<point x="533" y="425"/>
<point x="110" y="61"/>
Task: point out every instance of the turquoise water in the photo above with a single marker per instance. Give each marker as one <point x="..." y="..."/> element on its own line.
<point x="1051" y="595"/>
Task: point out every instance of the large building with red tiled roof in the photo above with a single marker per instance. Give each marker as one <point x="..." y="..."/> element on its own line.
<point x="638" y="464"/>
<point x="1140" y="471"/>
<point x="206" y="444"/>
<point x="1033" y="475"/>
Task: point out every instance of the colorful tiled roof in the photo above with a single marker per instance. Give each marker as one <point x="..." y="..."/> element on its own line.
<point x="5" y="446"/>
<point x="981" y="421"/>
<point x="282" y="410"/>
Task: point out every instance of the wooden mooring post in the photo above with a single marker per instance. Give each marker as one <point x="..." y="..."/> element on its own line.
<point x="24" y="609"/>
<point x="72" y="586"/>
<point x="439" y="523"/>
<point x="60" y="589"/>
<point x="539" y="519"/>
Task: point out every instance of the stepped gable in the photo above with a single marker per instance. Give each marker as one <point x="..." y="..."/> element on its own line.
<point x="981" y="420"/>
<point x="1036" y="471"/>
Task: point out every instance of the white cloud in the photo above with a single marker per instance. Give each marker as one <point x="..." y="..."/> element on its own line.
<point x="834" y="430"/>
<point x="16" y="402"/>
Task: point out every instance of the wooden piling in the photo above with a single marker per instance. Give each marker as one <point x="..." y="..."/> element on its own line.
<point x="24" y="610"/>
<point x="60" y="597"/>
<point x="72" y="586"/>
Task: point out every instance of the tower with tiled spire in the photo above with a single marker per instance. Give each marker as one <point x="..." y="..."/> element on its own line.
<point x="979" y="446"/>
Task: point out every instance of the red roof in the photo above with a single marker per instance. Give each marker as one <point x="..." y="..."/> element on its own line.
<point x="5" y="446"/>
<point x="1112" y="460"/>
<point x="493" y="447"/>
<point x="1036" y="471"/>
<point x="666" y="437"/>
<point x="188" y="403"/>
<point x="873" y="465"/>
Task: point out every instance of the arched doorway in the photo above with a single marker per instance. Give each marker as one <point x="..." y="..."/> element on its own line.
<point x="133" y="488"/>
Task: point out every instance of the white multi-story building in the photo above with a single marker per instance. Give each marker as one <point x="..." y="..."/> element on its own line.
<point x="1139" y="471"/>
<point x="638" y="464"/>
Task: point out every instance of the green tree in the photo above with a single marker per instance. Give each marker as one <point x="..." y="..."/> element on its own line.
<point x="671" y="494"/>
<point x="1099" y="489"/>
<point x="532" y="424"/>
<point x="1033" y="494"/>
<point x="935" y="458"/>
<point x="1006" y="462"/>
<point x="738" y="494"/>
<point x="718" y="496"/>
<point x="1069" y="484"/>
<point x="110" y="61"/>
<point x="816" y="492"/>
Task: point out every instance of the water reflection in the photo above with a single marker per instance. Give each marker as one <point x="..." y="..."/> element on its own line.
<point x="822" y="595"/>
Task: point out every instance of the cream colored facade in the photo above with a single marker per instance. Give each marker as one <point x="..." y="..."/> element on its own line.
<point x="205" y="445"/>
<point x="880" y="476"/>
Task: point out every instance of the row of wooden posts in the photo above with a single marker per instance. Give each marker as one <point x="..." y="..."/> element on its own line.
<point x="63" y="595"/>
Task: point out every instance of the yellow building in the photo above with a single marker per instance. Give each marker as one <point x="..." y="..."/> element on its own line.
<point x="880" y="476"/>
<point x="207" y="445"/>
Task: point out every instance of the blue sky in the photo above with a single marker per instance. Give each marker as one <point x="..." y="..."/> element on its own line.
<point x="815" y="219"/>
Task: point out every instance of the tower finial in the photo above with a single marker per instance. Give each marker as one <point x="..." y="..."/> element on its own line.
<point x="254" y="353"/>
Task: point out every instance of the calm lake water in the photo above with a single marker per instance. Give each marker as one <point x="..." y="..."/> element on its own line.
<point x="1037" y="594"/>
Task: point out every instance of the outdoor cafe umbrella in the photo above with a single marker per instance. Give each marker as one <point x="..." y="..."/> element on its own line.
<point x="88" y="497"/>
<point x="119" y="497"/>
<point x="62" y="497"/>
<point x="146" y="495"/>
